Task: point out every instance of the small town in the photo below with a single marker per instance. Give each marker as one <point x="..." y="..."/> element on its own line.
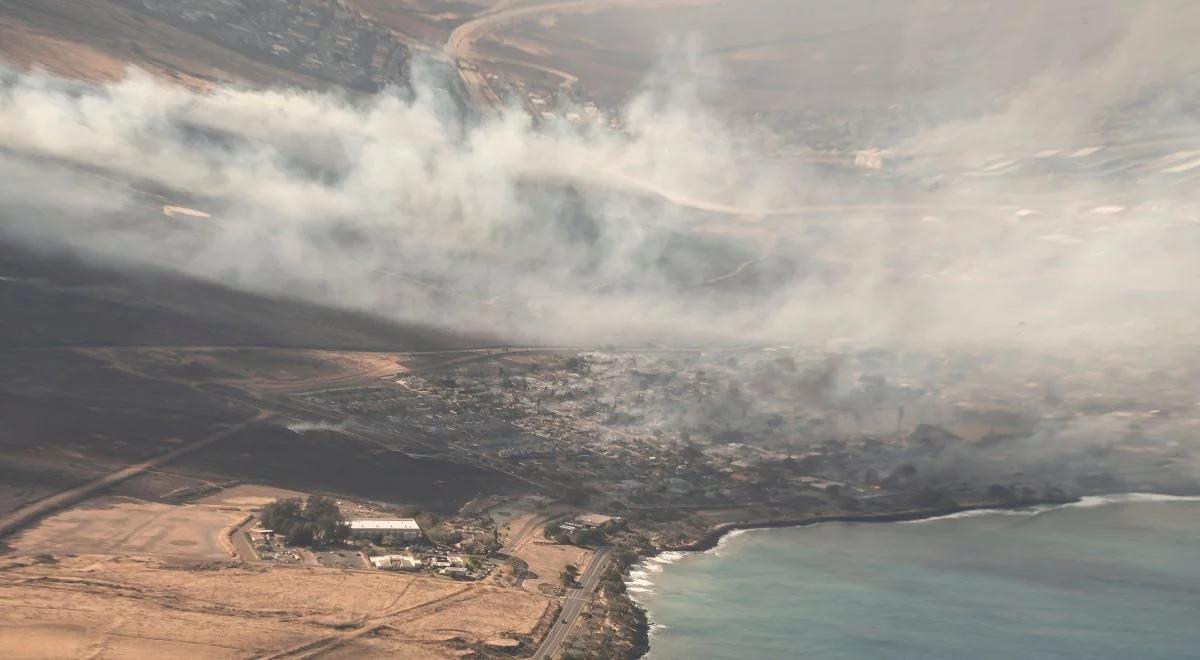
<point x="646" y="430"/>
<point x="327" y="40"/>
<point x="574" y="329"/>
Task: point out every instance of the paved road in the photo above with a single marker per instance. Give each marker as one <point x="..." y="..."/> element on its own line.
<point x="458" y="45"/>
<point x="519" y="536"/>
<point x="577" y="599"/>
<point x="241" y="545"/>
<point x="45" y="506"/>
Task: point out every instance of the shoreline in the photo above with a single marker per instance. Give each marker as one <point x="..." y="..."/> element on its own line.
<point x="712" y="538"/>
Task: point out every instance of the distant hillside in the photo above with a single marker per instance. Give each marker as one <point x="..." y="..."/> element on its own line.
<point x="324" y="39"/>
<point x="307" y="43"/>
<point x="54" y="300"/>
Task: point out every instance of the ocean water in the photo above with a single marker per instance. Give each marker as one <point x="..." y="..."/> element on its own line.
<point x="1108" y="577"/>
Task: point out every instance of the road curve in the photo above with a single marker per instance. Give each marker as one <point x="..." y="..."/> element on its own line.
<point x="576" y="600"/>
<point x="458" y="45"/>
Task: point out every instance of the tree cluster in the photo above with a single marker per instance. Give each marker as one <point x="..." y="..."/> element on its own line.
<point x="312" y="521"/>
<point x="570" y="573"/>
<point x="583" y="538"/>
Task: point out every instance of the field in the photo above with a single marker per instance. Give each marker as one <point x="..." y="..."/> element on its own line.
<point x="105" y="369"/>
<point x="119" y="577"/>
<point x="140" y="607"/>
<point x="93" y="39"/>
<point x="547" y="560"/>
<point x="753" y="53"/>
<point x="258" y="370"/>
<point x="246" y="497"/>
<point x="119" y="526"/>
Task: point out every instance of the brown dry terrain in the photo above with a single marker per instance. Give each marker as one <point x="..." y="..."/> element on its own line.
<point x="123" y="526"/>
<point x="118" y="577"/>
<point x="91" y="39"/>
<point x="753" y="53"/>
<point x="258" y="370"/>
<point x="547" y="560"/>
<point x="426" y="22"/>
<point x="246" y="497"/>
<point x="26" y="47"/>
<point x="104" y="371"/>
<point x="135" y="607"/>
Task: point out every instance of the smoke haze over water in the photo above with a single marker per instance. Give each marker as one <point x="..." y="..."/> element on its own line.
<point x="973" y="233"/>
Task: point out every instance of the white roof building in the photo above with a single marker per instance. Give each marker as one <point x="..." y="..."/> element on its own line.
<point x="402" y="527"/>
<point x="396" y="562"/>
<point x="385" y="525"/>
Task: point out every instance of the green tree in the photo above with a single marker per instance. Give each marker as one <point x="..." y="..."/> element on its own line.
<point x="569" y="574"/>
<point x="281" y="515"/>
<point x="588" y="537"/>
<point x="326" y="519"/>
<point x="301" y="534"/>
<point x="519" y="566"/>
<point x="304" y="522"/>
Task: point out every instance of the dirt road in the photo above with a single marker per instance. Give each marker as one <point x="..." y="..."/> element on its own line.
<point x="35" y="511"/>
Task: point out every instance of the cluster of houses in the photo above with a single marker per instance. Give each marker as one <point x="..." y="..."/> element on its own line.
<point x="323" y="38"/>
<point x="403" y="530"/>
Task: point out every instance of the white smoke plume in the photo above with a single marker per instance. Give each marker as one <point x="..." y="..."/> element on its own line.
<point x="665" y="231"/>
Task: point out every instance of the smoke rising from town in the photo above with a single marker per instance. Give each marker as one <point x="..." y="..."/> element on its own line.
<point x="668" y="230"/>
<point x="380" y="329"/>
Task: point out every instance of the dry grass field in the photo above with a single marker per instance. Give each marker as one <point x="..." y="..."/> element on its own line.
<point x="117" y="525"/>
<point x="547" y="560"/>
<point x="247" y="497"/>
<point x="259" y="370"/>
<point x="143" y="607"/>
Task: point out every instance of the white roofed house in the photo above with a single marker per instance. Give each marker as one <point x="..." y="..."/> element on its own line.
<point x="396" y="563"/>
<point x="403" y="529"/>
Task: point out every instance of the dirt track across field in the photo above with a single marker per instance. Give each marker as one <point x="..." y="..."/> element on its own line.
<point x="140" y="607"/>
<point x="41" y="508"/>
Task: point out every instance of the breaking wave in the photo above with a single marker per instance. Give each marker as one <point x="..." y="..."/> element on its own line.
<point x="668" y="557"/>
<point x="1123" y="498"/>
<point x="1088" y="502"/>
<point x="641" y="575"/>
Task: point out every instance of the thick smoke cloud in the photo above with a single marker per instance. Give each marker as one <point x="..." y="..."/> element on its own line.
<point x="665" y="231"/>
<point x="385" y="205"/>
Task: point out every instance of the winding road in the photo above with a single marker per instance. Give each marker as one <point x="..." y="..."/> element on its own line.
<point x="458" y="45"/>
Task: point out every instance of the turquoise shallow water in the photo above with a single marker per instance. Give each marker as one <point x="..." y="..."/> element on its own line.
<point x="1114" y="577"/>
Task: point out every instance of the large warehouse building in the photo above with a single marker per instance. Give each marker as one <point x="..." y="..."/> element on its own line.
<point x="404" y="529"/>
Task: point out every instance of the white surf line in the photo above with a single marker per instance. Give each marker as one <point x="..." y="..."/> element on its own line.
<point x="1086" y="502"/>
